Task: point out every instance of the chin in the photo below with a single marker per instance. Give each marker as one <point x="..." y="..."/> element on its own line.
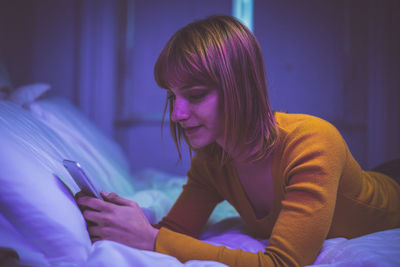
<point x="196" y="146"/>
<point x="199" y="144"/>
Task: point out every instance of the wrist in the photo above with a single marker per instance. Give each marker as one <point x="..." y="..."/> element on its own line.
<point x="154" y="234"/>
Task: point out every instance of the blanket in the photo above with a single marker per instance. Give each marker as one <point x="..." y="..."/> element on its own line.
<point x="41" y="222"/>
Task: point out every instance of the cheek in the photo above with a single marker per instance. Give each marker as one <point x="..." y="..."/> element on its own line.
<point x="215" y="115"/>
<point x="218" y="121"/>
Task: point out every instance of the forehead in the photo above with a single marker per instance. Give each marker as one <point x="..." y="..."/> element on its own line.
<point x="187" y="88"/>
<point x="183" y="73"/>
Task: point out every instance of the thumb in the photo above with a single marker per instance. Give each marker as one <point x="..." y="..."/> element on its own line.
<point x="114" y="198"/>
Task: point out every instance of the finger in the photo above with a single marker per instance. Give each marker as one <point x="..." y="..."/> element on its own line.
<point x="95" y="231"/>
<point x="116" y="199"/>
<point x="89" y="223"/>
<point x="101" y="219"/>
<point x="103" y="232"/>
<point x="85" y="202"/>
<point x="98" y="218"/>
<point x="83" y="194"/>
<point x="79" y="194"/>
<point x="93" y="203"/>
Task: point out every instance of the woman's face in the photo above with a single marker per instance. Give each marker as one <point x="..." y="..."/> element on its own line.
<point x="198" y="111"/>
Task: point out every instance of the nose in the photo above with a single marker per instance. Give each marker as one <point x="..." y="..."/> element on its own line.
<point x="180" y="110"/>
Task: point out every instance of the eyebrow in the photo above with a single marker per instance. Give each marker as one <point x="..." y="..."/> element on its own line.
<point x="187" y="87"/>
<point x="192" y="86"/>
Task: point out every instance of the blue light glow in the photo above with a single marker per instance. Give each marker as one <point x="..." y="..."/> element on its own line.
<point x="243" y="10"/>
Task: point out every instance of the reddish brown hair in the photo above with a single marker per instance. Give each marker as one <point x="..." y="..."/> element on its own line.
<point x="220" y="51"/>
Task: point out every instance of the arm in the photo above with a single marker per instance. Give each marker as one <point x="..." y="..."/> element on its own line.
<point x="311" y="164"/>
<point x="193" y="207"/>
<point x="123" y="221"/>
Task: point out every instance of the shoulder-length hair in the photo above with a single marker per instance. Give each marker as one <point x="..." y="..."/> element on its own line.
<point x="220" y="51"/>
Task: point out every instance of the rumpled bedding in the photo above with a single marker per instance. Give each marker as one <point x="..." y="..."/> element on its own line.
<point x="378" y="249"/>
<point x="41" y="221"/>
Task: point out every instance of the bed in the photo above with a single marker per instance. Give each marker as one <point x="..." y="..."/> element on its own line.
<point x="41" y="224"/>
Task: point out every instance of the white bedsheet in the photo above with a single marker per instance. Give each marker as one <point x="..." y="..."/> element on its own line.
<point x="108" y="253"/>
<point x="377" y="249"/>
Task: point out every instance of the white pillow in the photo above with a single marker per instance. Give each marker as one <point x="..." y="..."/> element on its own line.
<point x="11" y="238"/>
<point x="109" y="167"/>
<point x="32" y="197"/>
<point x="28" y="93"/>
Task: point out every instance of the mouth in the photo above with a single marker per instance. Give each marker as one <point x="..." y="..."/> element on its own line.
<point x="192" y="130"/>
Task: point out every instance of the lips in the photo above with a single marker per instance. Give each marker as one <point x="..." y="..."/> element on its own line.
<point x="192" y="130"/>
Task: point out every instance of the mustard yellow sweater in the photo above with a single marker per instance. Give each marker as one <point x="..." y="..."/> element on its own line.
<point x="320" y="192"/>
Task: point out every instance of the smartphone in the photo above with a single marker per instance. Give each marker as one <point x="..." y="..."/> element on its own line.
<point x="81" y="179"/>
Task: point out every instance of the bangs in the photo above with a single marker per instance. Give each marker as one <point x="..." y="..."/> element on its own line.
<point x="177" y="73"/>
<point x="180" y="64"/>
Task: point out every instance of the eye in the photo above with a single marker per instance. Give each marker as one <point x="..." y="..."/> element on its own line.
<point x="197" y="96"/>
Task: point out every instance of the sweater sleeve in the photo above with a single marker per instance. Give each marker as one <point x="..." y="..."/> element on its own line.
<point x="193" y="207"/>
<point x="311" y="163"/>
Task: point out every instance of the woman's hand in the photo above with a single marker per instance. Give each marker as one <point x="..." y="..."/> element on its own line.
<point x="117" y="219"/>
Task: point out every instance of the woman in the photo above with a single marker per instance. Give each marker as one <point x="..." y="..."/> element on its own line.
<point x="290" y="176"/>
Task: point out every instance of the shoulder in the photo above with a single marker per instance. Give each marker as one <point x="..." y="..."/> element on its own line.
<point x="309" y="140"/>
<point x="294" y="127"/>
<point x="291" y="122"/>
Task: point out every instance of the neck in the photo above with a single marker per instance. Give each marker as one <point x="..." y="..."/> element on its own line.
<point x="240" y="158"/>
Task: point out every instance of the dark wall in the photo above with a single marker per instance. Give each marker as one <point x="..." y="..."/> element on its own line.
<point x="17" y="31"/>
<point x="336" y="59"/>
